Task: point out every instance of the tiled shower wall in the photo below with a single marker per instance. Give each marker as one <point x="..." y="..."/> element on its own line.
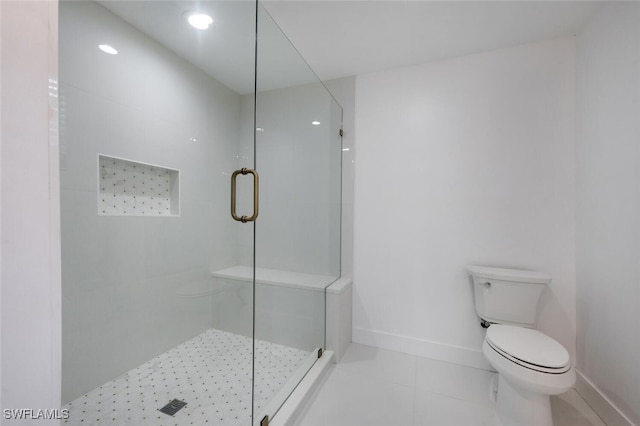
<point x="127" y="279"/>
<point x="299" y="228"/>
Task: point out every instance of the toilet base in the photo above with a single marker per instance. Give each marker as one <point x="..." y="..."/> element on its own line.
<point x="518" y="407"/>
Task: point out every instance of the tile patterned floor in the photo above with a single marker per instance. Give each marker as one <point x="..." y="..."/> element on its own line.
<point x="377" y="387"/>
<point x="211" y="373"/>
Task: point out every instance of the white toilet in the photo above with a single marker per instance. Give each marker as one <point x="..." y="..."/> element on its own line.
<point x="530" y="365"/>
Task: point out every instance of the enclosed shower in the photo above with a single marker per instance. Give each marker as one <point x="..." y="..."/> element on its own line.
<point x="200" y="187"/>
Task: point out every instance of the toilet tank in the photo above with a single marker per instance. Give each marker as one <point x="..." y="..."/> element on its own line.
<point x="507" y="296"/>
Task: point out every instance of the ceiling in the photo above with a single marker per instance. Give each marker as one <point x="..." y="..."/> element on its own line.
<point x="226" y="51"/>
<point x="344" y="38"/>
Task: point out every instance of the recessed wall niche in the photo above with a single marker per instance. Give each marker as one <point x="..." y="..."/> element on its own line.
<point x="132" y="188"/>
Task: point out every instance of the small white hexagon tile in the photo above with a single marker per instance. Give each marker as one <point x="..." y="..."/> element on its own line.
<point x="210" y="372"/>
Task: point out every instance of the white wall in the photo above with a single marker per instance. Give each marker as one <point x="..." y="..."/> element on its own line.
<point x="464" y="161"/>
<point x="30" y="215"/>
<point x="129" y="282"/>
<point x="608" y="206"/>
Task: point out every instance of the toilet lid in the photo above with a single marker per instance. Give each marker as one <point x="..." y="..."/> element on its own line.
<point x="529" y="348"/>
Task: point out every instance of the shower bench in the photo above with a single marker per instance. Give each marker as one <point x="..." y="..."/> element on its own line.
<point x="290" y="307"/>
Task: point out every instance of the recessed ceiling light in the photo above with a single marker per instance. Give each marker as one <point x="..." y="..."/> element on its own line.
<point x="108" y="49"/>
<point x="315" y="123"/>
<point x="200" y="20"/>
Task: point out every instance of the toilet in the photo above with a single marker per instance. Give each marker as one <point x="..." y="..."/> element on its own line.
<point x="531" y="366"/>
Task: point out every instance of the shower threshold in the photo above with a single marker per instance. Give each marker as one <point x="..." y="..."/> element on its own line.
<point x="211" y="373"/>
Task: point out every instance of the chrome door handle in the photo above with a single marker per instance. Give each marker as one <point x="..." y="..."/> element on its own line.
<point x="254" y="216"/>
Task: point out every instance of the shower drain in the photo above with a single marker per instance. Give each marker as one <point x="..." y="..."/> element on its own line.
<point x="173" y="407"/>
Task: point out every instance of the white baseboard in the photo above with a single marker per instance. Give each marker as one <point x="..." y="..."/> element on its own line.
<point x="602" y="406"/>
<point x="424" y="348"/>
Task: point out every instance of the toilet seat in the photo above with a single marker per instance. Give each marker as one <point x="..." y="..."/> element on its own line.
<point x="528" y="348"/>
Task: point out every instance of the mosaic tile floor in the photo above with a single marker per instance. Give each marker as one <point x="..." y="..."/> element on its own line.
<point x="211" y="373"/>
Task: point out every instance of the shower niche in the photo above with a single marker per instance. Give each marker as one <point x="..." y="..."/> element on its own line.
<point x="133" y="188"/>
<point x="182" y="302"/>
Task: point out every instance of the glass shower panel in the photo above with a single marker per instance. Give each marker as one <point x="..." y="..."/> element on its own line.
<point x="150" y="137"/>
<point x="298" y="155"/>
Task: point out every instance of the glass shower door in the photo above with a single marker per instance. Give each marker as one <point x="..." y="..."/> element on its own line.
<point x="192" y="290"/>
<point x="155" y="117"/>
<point x="297" y="251"/>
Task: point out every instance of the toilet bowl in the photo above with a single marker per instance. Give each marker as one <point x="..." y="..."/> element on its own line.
<point x="531" y="366"/>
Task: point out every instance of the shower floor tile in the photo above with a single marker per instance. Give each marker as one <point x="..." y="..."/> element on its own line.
<point x="211" y="373"/>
